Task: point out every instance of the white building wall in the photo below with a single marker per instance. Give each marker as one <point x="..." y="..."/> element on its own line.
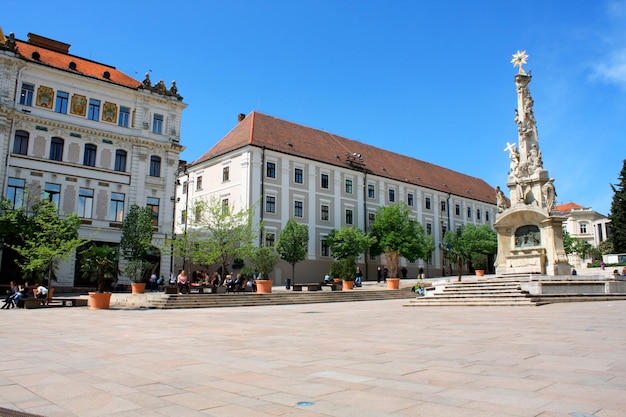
<point x="313" y="196"/>
<point x="76" y="131"/>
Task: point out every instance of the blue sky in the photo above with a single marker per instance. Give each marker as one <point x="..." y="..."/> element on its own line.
<point x="429" y="79"/>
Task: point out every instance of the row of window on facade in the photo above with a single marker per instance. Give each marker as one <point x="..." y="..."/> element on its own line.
<point x="371" y="192"/>
<point x="225" y="178"/>
<point x="17" y="187"/>
<point x="79" y="105"/>
<point x="20" y="147"/>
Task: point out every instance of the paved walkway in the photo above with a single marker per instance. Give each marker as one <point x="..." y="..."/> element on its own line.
<point x="344" y="359"/>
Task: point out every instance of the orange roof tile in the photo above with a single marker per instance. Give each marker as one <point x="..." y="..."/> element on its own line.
<point x="82" y="66"/>
<point x="261" y="130"/>
<point x="566" y="208"/>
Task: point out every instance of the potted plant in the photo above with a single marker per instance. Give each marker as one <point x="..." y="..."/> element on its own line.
<point x="134" y="270"/>
<point x="335" y="271"/>
<point x="346" y="270"/>
<point x="479" y="263"/>
<point x="347" y="243"/>
<point x="101" y="261"/>
<point x="135" y="243"/>
<point x="264" y="261"/>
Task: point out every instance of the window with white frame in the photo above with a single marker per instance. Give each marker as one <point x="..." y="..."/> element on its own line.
<point x="348" y="186"/>
<point x="324" y="212"/>
<point x="298" y="176"/>
<point x="298" y="208"/>
<point x="349" y="216"/>
<point x="270" y="204"/>
<point x="270" y="170"/>
<point x="324" y="181"/>
<point x="85" y="203"/>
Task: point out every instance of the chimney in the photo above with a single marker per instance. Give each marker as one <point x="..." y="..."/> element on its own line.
<point x="240" y="117"/>
<point x="48" y="43"/>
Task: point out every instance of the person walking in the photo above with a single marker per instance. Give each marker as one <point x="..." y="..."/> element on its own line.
<point x="358" y="282"/>
<point x="379" y="274"/>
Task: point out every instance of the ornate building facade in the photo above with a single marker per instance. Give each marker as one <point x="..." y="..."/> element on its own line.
<point x="88" y="137"/>
<point x="326" y="181"/>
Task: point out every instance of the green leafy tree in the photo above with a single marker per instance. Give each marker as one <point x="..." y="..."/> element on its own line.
<point x="46" y="238"/>
<point x="606" y="247"/>
<point x="346" y="244"/>
<point x="470" y="240"/>
<point x="220" y="234"/>
<point x="568" y="242"/>
<point x="617" y="226"/>
<point x="264" y="260"/>
<point x="582" y="248"/>
<point x="136" y="240"/>
<point x="398" y="236"/>
<point x="101" y="261"/>
<point x="292" y="244"/>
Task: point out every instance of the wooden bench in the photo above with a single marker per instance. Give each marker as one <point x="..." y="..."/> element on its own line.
<point x="72" y="302"/>
<point x="334" y="286"/>
<point x="33" y="302"/>
<point x="202" y="289"/>
<point x="310" y="287"/>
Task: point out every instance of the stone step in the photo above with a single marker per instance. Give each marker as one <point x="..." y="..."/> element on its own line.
<point x="253" y="299"/>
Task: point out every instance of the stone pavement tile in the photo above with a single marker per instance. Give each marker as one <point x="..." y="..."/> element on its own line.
<point x="17" y="394"/>
<point x="433" y="409"/>
<point x="601" y="397"/>
<point x="95" y="405"/>
<point x="504" y="397"/>
<point x="609" y="413"/>
<point x="194" y="401"/>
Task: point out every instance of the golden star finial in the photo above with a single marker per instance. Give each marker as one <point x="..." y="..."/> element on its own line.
<point x="519" y="59"/>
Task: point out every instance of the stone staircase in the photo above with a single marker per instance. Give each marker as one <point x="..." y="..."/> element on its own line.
<point x="174" y="301"/>
<point x="503" y="292"/>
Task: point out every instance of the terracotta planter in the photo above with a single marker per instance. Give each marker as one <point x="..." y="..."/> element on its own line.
<point x="264" y="286"/>
<point x="337" y="280"/>
<point x="348" y="285"/>
<point x="480" y="272"/>
<point x="99" y="300"/>
<point x="138" y="287"/>
<point x="393" y="283"/>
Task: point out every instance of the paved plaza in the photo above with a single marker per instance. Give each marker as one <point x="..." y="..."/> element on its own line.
<point x="374" y="358"/>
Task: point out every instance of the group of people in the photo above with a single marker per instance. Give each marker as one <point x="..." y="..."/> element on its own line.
<point x="200" y="278"/>
<point x="16" y="293"/>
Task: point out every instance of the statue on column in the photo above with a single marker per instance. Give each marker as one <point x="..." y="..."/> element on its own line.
<point x="549" y="195"/>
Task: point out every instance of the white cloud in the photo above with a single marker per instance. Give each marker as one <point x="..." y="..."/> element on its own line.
<point x="613" y="69"/>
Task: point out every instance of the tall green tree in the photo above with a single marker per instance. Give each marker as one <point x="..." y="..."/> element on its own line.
<point x="219" y="233"/>
<point x="346" y="244"/>
<point x="46" y="238"/>
<point x="101" y="261"/>
<point x="467" y="241"/>
<point x="398" y="236"/>
<point x="136" y="240"/>
<point x="617" y="226"/>
<point x="292" y="244"/>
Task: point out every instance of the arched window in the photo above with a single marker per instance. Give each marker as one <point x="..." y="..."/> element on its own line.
<point x="120" y="160"/>
<point x="155" y="166"/>
<point x="89" y="159"/>
<point x="20" y="144"/>
<point x="56" y="149"/>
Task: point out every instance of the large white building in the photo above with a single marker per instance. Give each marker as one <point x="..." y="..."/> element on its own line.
<point x="326" y="181"/>
<point x="584" y="223"/>
<point x="89" y="137"/>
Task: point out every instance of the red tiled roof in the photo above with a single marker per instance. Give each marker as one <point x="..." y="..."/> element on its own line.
<point x="261" y="130"/>
<point x="566" y="208"/>
<point x="83" y="66"/>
